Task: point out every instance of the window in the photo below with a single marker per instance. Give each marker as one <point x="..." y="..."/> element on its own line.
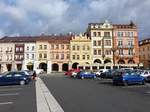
<point x="68" y="56"/>
<point x="45" y="55"/>
<point x="62" y="46"/>
<point x="107" y="42"/>
<point x="99" y="52"/>
<point x="73" y="48"/>
<point x="78" y="47"/>
<point x="94" y="43"/>
<point x="131" y="34"/>
<point x="99" y="34"/>
<point x="88" y="47"/>
<point x="67" y="47"/>
<point x="21" y="49"/>
<point x="83" y="57"/>
<point x="88" y="57"/>
<point x="62" y="56"/>
<point x="119" y="43"/>
<point x="73" y="57"/>
<point x="40" y="47"/>
<point x="95" y="52"/>
<point x="57" y="56"/>
<point x="130" y="43"/>
<point x="32" y="48"/>
<point x="52" y="46"/>
<point x="120" y="51"/>
<point x="45" y="46"/>
<point x="78" y="57"/>
<point x="57" y="46"/>
<point x="130" y="52"/>
<point x="94" y="34"/>
<point x="27" y="47"/>
<point x="99" y="43"/>
<point x="17" y="49"/>
<point x="21" y="57"/>
<point x="108" y="52"/>
<point x="27" y="56"/>
<point x="32" y="56"/>
<point x="40" y="55"/>
<point x="83" y="47"/>
<point x="120" y="34"/>
<point x="106" y="34"/>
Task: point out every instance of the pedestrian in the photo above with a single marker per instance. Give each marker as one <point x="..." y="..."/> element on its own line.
<point x="34" y="75"/>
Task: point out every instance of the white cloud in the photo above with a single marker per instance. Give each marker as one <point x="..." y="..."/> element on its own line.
<point x="61" y="16"/>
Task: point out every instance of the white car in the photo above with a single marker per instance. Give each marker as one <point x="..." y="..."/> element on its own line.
<point x="98" y="73"/>
<point x="145" y="73"/>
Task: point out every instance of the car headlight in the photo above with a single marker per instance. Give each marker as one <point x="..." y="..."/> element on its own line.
<point x="24" y="78"/>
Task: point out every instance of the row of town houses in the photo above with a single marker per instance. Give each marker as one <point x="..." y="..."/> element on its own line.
<point x="103" y="45"/>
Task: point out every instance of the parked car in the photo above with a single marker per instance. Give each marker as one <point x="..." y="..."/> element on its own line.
<point x="127" y="78"/>
<point x="14" y="78"/>
<point x="148" y="79"/>
<point x="98" y="73"/>
<point x="107" y="74"/>
<point x="72" y="72"/>
<point x="145" y="73"/>
<point x="86" y="74"/>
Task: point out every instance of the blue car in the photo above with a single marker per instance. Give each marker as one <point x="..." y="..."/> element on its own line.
<point x="12" y="78"/>
<point x="128" y="78"/>
<point x="86" y="74"/>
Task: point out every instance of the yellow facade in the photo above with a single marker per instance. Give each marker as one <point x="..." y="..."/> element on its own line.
<point x="80" y="50"/>
<point x="43" y="56"/>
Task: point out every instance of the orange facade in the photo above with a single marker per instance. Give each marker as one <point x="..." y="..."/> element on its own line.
<point x="125" y="44"/>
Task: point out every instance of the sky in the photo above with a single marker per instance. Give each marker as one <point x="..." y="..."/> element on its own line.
<point x="35" y="17"/>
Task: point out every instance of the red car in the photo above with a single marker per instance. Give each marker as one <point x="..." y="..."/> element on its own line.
<point x="69" y="73"/>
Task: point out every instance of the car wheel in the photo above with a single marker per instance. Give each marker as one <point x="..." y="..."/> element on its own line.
<point x="22" y="82"/>
<point x="125" y="83"/>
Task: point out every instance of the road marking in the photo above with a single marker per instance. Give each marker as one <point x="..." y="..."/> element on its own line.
<point x="45" y="100"/>
<point x="6" y="103"/>
<point x="9" y="94"/>
<point x="11" y="89"/>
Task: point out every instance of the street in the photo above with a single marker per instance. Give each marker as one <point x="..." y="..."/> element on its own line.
<point x="65" y="94"/>
<point x="16" y="98"/>
<point x="88" y="95"/>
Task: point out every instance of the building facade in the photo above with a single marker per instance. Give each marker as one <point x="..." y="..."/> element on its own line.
<point x="101" y="35"/>
<point x="145" y="53"/>
<point x="6" y="56"/>
<point x="103" y="45"/>
<point x="60" y="53"/>
<point x="42" y="60"/>
<point x="80" y="51"/>
<point x="29" y="56"/>
<point x="126" y="49"/>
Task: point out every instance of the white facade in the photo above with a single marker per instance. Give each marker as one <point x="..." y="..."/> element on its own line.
<point x="102" y="43"/>
<point x="29" y="55"/>
<point x="7" y="57"/>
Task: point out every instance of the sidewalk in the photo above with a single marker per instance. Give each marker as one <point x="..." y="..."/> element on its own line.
<point x="45" y="100"/>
